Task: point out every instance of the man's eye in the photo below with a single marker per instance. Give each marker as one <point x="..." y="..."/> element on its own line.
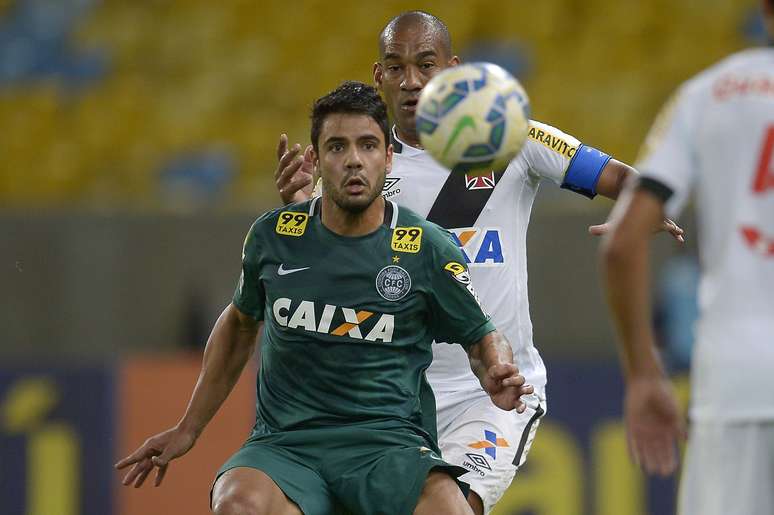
<point x="427" y="66"/>
<point x="336" y="147"/>
<point x="369" y="146"/>
<point x="393" y="68"/>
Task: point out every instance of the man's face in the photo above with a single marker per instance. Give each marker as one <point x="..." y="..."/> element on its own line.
<point x="352" y="159"/>
<point x="412" y="56"/>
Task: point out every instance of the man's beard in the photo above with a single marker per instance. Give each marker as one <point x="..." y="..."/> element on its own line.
<point x="345" y="203"/>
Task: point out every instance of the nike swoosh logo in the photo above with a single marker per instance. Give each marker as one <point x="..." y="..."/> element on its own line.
<point x="286" y="271"/>
<point x="462" y="123"/>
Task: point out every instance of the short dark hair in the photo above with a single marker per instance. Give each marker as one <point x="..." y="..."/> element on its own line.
<point x="351" y="97"/>
<point x="409" y="17"/>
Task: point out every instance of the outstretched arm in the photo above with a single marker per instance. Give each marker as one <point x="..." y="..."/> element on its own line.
<point x="650" y="409"/>
<point x="229" y="347"/>
<point x="491" y="359"/>
<point x="615" y="176"/>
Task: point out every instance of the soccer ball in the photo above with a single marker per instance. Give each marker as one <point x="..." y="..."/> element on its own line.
<point x="473" y="117"/>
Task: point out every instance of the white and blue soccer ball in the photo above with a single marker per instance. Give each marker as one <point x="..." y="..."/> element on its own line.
<point x="473" y="117"/>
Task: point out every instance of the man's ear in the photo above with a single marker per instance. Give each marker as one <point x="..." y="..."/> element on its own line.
<point x="378" y="75"/>
<point x="388" y="163"/>
<point x="315" y="162"/>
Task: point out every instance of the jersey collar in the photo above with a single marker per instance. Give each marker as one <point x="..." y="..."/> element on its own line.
<point x="390" y="211"/>
<point x="402" y="148"/>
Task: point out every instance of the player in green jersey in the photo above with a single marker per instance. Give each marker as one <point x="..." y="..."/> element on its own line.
<point x="351" y="291"/>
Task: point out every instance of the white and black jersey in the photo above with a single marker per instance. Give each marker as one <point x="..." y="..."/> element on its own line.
<point x="488" y="215"/>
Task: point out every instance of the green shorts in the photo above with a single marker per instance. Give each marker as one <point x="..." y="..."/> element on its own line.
<point x="355" y="470"/>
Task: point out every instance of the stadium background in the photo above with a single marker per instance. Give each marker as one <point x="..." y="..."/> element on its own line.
<point x="137" y="144"/>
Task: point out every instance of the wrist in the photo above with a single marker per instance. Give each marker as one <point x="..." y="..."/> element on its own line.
<point x="188" y="427"/>
<point x="646" y="370"/>
<point x="641" y="358"/>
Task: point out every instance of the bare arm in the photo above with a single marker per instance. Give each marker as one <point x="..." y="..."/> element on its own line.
<point x="491" y="359"/>
<point x="230" y="345"/>
<point x="612" y="181"/>
<point x="613" y="178"/>
<point x="650" y="409"/>
<point x="626" y="270"/>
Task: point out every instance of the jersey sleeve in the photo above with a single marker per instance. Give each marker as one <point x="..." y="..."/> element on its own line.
<point x="456" y="313"/>
<point x="667" y="156"/>
<point x="249" y="297"/>
<point x="561" y="158"/>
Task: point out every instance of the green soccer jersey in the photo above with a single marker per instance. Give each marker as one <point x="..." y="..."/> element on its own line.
<point x="349" y="321"/>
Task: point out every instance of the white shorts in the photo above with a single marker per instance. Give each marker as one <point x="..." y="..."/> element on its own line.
<point x="491" y="443"/>
<point x="729" y="469"/>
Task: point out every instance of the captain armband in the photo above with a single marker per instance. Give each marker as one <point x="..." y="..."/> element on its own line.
<point x="584" y="170"/>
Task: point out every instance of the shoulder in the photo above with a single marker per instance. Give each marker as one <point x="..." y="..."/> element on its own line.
<point x="407" y="217"/>
<point x="433" y="235"/>
<point x="725" y="74"/>
<point x="542" y="136"/>
<point x="744" y="59"/>
<point x="286" y="220"/>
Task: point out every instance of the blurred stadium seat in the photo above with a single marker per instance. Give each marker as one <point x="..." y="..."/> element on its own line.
<point x="96" y="97"/>
<point x="114" y="113"/>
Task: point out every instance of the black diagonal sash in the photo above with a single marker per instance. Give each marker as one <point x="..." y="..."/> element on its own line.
<point x="456" y="205"/>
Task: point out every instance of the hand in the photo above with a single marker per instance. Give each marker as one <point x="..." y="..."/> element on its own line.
<point x="505" y="386"/>
<point x="653" y="425"/>
<point x="293" y="175"/>
<point x="672" y="228"/>
<point x="667" y="225"/>
<point x="157" y="451"/>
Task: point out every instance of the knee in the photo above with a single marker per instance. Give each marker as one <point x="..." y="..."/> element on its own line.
<point x="236" y="505"/>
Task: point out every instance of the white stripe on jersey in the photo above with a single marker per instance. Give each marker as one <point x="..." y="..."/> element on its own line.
<point x="313" y="204"/>
<point x="394" y="221"/>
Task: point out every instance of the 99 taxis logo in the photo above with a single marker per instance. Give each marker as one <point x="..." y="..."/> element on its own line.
<point x="407" y="239"/>
<point x="291" y="224"/>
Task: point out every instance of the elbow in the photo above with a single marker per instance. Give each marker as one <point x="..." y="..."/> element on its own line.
<point x="474" y="352"/>
<point x="615" y="178"/>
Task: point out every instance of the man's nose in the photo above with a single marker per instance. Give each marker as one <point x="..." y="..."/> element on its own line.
<point x="353" y="161"/>
<point x="412" y="80"/>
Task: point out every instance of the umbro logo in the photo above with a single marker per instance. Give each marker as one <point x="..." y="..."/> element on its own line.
<point x="389" y="189"/>
<point x="479" y="461"/>
<point x="285" y="271"/>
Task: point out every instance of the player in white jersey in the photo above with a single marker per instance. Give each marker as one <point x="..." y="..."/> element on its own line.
<point x="489" y="216"/>
<point x="715" y="138"/>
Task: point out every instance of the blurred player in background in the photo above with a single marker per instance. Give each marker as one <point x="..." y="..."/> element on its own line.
<point x="716" y="137"/>
<point x="344" y="415"/>
<point x="488" y="216"/>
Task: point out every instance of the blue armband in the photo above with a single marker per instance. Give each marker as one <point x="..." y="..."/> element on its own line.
<point x="583" y="173"/>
